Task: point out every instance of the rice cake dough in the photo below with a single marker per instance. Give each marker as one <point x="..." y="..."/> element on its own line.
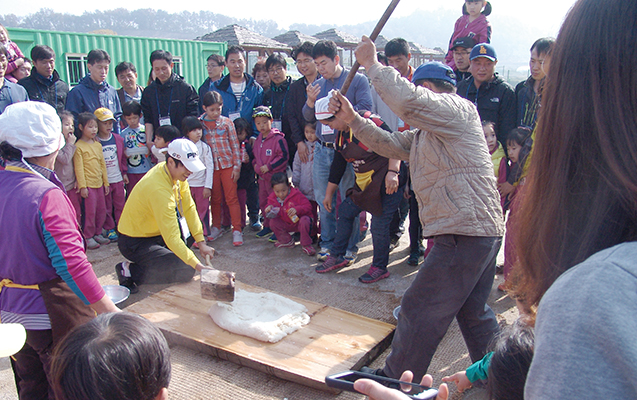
<point x="267" y="317"/>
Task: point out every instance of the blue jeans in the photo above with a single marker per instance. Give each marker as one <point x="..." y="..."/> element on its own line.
<point x="323" y="158"/>
<point x="379" y="228"/>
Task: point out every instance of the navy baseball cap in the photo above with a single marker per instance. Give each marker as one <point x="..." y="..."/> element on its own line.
<point x="483" y="50"/>
<point x="466" y="42"/>
<point x="434" y="70"/>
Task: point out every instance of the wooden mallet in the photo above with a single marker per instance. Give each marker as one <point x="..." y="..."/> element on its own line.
<point x="217" y="285"/>
<point x="379" y="27"/>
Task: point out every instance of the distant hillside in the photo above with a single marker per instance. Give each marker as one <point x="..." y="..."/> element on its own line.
<point x="143" y="22"/>
<point x="431" y="28"/>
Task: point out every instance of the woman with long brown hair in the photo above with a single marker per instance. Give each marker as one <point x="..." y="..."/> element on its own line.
<point x="578" y="258"/>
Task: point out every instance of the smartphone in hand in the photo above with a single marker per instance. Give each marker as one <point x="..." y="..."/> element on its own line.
<point x="345" y="381"/>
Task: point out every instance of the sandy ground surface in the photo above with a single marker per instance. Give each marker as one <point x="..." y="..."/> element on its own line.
<point x="290" y="272"/>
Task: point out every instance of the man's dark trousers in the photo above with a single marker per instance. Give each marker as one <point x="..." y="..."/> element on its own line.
<point x="454" y="282"/>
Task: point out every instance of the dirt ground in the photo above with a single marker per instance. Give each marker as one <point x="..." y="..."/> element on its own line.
<point x="290" y="272"/>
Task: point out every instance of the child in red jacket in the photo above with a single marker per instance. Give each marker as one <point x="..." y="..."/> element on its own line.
<point x="288" y="210"/>
<point x="270" y="156"/>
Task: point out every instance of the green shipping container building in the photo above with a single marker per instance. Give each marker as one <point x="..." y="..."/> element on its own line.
<point x="71" y="49"/>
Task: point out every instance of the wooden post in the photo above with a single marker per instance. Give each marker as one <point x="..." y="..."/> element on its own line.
<point x="379" y="26"/>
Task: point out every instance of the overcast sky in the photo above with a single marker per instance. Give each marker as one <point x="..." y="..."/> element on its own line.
<point x="546" y="14"/>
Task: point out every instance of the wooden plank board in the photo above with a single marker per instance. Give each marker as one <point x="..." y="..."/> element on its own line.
<point x="333" y="341"/>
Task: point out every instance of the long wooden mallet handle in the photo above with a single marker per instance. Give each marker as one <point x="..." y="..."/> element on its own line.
<point x="379" y="27"/>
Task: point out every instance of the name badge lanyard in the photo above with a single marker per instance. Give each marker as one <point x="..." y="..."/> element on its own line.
<point x="97" y="93"/>
<point x="240" y="105"/>
<point x="477" y="92"/>
<point x="8" y="92"/>
<point x="56" y="93"/>
<point x="170" y="101"/>
<point x="284" y="99"/>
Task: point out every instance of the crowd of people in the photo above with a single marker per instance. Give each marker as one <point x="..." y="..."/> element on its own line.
<point x="165" y="169"/>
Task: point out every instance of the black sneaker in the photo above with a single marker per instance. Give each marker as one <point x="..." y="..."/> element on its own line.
<point x="373" y="371"/>
<point x="393" y="243"/>
<point x="125" y="280"/>
<point x="380" y="372"/>
<point x="255" y="225"/>
<point x="331" y="264"/>
<point x="414" y="258"/>
<point x="374" y="274"/>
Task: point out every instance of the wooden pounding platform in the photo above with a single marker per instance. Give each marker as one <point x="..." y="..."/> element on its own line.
<point x="333" y="341"/>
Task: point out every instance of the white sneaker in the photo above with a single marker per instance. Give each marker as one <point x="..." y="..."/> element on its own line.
<point x="323" y="254"/>
<point x="101" y="239"/>
<point x="350" y="256"/>
<point x="237" y="238"/>
<point x="92" y="244"/>
<point x="215" y="233"/>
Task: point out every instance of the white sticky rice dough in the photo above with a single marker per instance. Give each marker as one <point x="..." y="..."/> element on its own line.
<point x="267" y="317"/>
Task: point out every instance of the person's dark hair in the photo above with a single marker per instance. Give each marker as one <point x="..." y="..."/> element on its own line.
<point x="177" y="162"/>
<point x="168" y="133"/>
<point x="486" y="123"/>
<point x="161" y="55"/>
<point x="235" y="50"/>
<point x="211" y="97"/>
<point x="217" y="58"/>
<point x="312" y="124"/>
<point x="27" y="60"/>
<point x="97" y="55"/>
<point x="42" y="52"/>
<point x="82" y="120"/>
<point x="9" y="153"/>
<point x="486" y="12"/>
<point x="242" y="124"/>
<point x="397" y="47"/>
<point x="131" y="107"/>
<point x="275" y="59"/>
<point x="279" y="177"/>
<point x="543" y="45"/>
<point x="66" y="114"/>
<point x="114" y="356"/>
<point x="519" y="135"/>
<point x="258" y="67"/>
<point x="581" y="191"/>
<point x="509" y="366"/>
<point x="189" y="124"/>
<point x="85" y="117"/>
<point x="305" y="47"/>
<point x="3" y="50"/>
<point x="325" y="48"/>
<point x="124" y="66"/>
<point x="382" y="58"/>
<point x="440" y="84"/>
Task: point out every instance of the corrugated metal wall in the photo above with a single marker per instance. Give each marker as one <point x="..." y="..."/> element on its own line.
<point x="137" y="50"/>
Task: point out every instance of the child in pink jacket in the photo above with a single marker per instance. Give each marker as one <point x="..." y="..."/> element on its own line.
<point x="270" y="156"/>
<point x="473" y="24"/>
<point x="288" y="210"/>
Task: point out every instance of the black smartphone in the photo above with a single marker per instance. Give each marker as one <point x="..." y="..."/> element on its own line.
<point x="345" y="381"/>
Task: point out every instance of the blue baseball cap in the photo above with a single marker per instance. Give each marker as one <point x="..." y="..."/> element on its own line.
<point x="483" y="50"/>
<point x="434" y="70"/>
